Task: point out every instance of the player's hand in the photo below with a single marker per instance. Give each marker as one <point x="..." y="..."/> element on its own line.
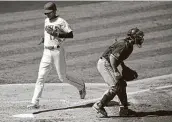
<point x="51" y="31"/>
<point x="41" y="41"/>
<point x="117" y="75"/>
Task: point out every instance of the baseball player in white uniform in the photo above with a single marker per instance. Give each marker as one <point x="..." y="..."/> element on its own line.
<point x="56" y="30"/>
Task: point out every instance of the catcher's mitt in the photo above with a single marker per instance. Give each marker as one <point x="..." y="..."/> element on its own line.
<point x="129" y="74"/>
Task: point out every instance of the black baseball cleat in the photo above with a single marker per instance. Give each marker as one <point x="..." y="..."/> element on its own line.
<point x="125" y="112"/>
<point x="99" y="109"/>
<point x="82" y="93"/>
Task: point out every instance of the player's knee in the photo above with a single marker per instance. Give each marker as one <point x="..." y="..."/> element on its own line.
<point x="42" y="76"/>
<point x="39" y="80"/>
<point x="113" y="90"/>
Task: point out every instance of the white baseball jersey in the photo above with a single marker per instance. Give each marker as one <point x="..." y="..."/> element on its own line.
<point x="58" y="24"/>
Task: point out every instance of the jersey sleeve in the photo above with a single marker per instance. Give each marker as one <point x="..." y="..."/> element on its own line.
<point x="65" y="26"/>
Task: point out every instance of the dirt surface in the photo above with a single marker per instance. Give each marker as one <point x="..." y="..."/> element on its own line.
<point x="151" y="102"/>
<point x="95" y="25"/>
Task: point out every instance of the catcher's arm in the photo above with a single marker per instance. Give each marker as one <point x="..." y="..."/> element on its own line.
<point x="123" y="65"/>
<point x="114" y="64"/>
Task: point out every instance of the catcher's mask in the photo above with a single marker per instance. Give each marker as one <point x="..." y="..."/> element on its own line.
<point x="136" y="35"/>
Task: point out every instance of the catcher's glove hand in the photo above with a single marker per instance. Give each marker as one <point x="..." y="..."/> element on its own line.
<point x="51" y="31"/>
<point x="129" y="74"/>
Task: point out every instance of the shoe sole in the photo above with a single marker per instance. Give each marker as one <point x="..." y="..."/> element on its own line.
<point x="33" y="107"/>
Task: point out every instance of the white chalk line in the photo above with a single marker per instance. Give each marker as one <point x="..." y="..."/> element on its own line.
<point x="24" y="115"/>
<point x="151" y="89"/>
<point x="67" y="101"/>
<point x="95" y="99"/>
<point x="152" y="79"/>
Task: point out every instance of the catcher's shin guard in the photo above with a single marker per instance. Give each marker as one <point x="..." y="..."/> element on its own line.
<point x="107" y="97"/>
<point x="122" y="95"/>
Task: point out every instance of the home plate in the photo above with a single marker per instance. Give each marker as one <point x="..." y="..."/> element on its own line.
<point x="24" y="115"/>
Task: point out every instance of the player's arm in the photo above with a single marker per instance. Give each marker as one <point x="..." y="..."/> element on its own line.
<point x="115" y="59"/>
<point x="60" y="35"/>
<point x="66" y="35"/>
<point x="114" y="62"/>
<point x="123" y="65"/>
<point x="41" y="40"/>
<point x="66" y="29"/>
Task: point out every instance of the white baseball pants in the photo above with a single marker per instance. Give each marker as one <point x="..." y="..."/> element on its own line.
<point x="53" y="57"/>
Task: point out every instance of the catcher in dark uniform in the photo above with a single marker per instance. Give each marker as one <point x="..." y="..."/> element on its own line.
<point x="108" y="68"/>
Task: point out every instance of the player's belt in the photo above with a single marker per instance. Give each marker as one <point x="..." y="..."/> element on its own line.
<point x="52" y="47"/>
<point x="105" y="59"/>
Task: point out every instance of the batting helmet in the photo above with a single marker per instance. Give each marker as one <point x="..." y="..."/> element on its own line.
<point x="136" y="35"/>
<point x="49" y="7"/>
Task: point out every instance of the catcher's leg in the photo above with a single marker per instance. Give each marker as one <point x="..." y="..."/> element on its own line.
<point x="44" y="68"/>
<point x="122" y="95"/>
<point x="106" y="72"/>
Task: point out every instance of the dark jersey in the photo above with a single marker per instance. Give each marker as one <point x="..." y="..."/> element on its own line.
<point x="121" y="50"/>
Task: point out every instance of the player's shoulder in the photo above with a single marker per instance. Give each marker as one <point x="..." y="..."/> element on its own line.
<point x="60" y="19"/>
<point x="120" y="42"/>
<point x="46" y="19"/>
<point x="125" y="43"/>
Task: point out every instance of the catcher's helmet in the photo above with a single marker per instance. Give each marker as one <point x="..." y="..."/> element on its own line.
<point x="136" y="35"/>
<point x="49" y="7"/>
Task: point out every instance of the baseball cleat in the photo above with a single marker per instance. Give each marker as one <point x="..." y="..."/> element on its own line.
<point x="82" y="93"/>
<point x="124" y="112"/>
<point x="33" y="106"/>
<point x="100" y="110"/>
